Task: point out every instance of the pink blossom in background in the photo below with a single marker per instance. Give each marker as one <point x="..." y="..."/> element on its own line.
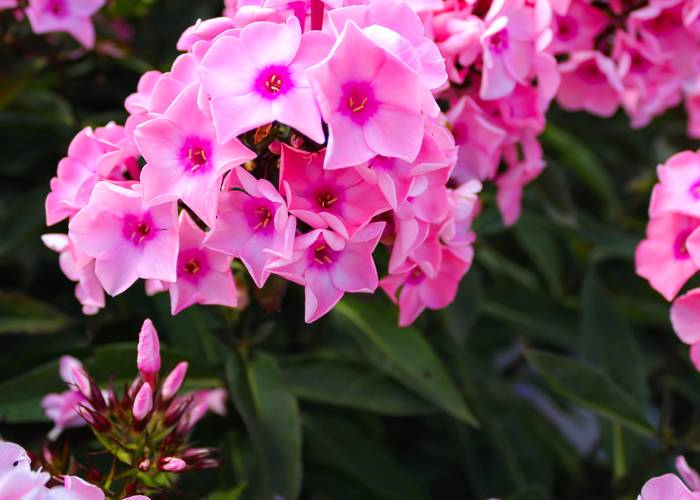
<point x="671" y="487"/>
<point x="578" y="28"/>
<point x="259" y="77"/>
<point x="183" y="158"/>
<point x="8" y="4"/>
<point x="678" y="189"/>
<point x="589" y="82"/>
<point x="70" y="16"/>
<point x="203" y="275"/>
<point x="663" y="258"/>
<point x="127" y="240"/>
<point x="328" y="265"/>
<point x="254" y="224"/>
<point x="371" y="104"/>
<point x="685" y="313"/>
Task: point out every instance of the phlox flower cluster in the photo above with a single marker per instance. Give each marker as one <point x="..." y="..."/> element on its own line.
<point x="502" y="79"/>
<point x="670" y="254"/>
<point x="303" y="140"/>
<point x="146" y="428"/>
<point x="19" y="481"/>
<point x="59" y="16"/>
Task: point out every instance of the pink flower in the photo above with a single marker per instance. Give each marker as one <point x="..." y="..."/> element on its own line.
<point x="148" y="352"/>
<point x="76" y="489"/>
<point x="577" y="29"/>
<point x="88" y="290"/>
<point x="670" y="487"/>
<point x="127" y="240"/>
<point x="589" y="82"/>
<point x="479" y="140"/>
<point x="92" y="156"/>
<point x="685" y="313"/>
<point x="372" y="103"/>
<point x="414" y="291"/>
<point x="678" y="189"/>
<point x="520" y="172"/>
<point x="143" y="403"/>
<point x="70" y="16"/>
<point x="62" y="410"/>
<point x="13" y="456"/>
<point x="8" y="4"/>
<point x="174" y="380"/>
<point x="340" y="199"/>
<point x="203" y="275"/>
<point x="203" y="31"/>
<point x="253" y="224"/>
<point x="329" y="265"/>
<point x="664" y="258"/>
<point x="260" y="77"/>
<point x="184" y="160"/>
<point x="23" y="483"/>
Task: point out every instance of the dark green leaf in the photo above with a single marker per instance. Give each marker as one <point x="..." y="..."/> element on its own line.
<point x="22" y="314"/>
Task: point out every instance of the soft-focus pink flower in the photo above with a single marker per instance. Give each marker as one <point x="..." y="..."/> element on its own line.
<point x="670" y="486"/>
<point x="518" y="174"/>
<point x="184" y="160"/>
<point x="21" y="483"/>
<point x="663" y="258"/>
<point x="204" y="31"/>
<point x="259" y="77"/>
<point x="13" y="456"/>
<point x="92" y="156"/>
<point x="414" y="291"/>
<point x="172" y="464"/>
<point x="253" y="224"/>
<point x="75" y="488"/>
<point x="62" y="410"/>
<point x="203" y="275"/>
<point x="127" y="240"/>
<point x="148" y="352"/>
<point x="70" y="16"/>
<point x="88" y="289"/>
<point x="339" y="199"/>
<point x="329" y="265"/>
<point x="589" y="82"/>
<point x="685" y="314"/>
<point x="8" y="4"/>
<point x="372" y="104"/>
<point x="678" y="189"/>
<point x="577" y="29"/>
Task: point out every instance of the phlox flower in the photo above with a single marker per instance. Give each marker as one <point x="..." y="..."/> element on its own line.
<point x="62" y="408"/>
<point x="203" y="275"/>
<point x="70" y="16"/>
<point x="339" y="199"/>
<point x="414" y="291"/>
<point x="259" y="77"/>
<point x="127" y="240"/>
<point x="8" y="4"/>
<point x="328" y="265"/>
<point x="371" y="103"/>
<point x="183" y="158"/>
<point x="254" y="224"/>
<point x="93" y="155"/>
<point x="577" y="29"/>
<point x="685" y="313"/>
<point x="678" y="189"/>
<point x="589" y="82"/>
<point x="664" y="257"/>
<point x="671" y="487"/>
<point x="203" y="31"/>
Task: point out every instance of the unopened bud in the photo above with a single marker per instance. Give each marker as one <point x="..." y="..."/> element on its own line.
<point x="94" y="419"/>
<point x="148" y="352"/>
<point x="81" y="380"/>
<point x="172" y="464"/>
<point x="194" y="454"/>
<point x="143" y="403"/>
<point x="177" y="409"/>
<point x="174" y="380"/>
<point x="144" y="465"/>
<point x="96" y="398"/>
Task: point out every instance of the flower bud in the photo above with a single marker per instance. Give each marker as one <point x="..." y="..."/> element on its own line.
<point x="81" y="380"/>
<point x="144" y="465"/>
<point x="173" y="381"/>
<point x="96" y="398"/>
<point x="94" y="419"/>
<point x="65" y="368"/>
<point x="177" y="409"/>
<point x="172" y="464"/>
<point x="148" y="353"/>
<point x="143" y="403"/>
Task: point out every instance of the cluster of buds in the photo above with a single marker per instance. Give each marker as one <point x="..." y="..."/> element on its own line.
<point x="298" y="140"/>
<point x="56" y="16"/>
<point x="146" y="428"/>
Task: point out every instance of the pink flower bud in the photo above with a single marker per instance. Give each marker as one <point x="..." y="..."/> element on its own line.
<point x="81" y="380"/>
<point x="65" y="368"/>
<point x="174" y="380"/>
<point x="148" y="354"/>
<point x="172" y="464"/>
<point x="143" y="403"/>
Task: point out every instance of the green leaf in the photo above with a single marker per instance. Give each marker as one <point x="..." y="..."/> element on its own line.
<point x="533" y="492"/>
<point x="401" y="353"/>
<point x="542" y="247"/>
<point x="461" y="315"/>
<point x="341" y="444"/>
<point x="271" y="415"/>
<point x="606" y="339"/>
<point x="230" y="494"/>
<point x="353" y="385"/>
<point x="590" y="387"/>
<point x="22" y="314"/>
<point x="20" y="398"/>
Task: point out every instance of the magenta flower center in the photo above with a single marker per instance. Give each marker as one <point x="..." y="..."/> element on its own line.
<point x="326" y="200"/>
<point x="499" y="42"/>
<point x="57" y="8"/>
<point x="639" y="63"/>
<point x="192" y="264"/>
<point x="680" y="250"/>
<point x="196" y="155"/>
<point x="273" y="81"/>
<point x="590" y="72"/>
<point x="567" y="28"/>
<point x="260" y="216"/>
<point x="323" y="255"/>
<point x="664" y="22"/>
<point x="358" y="102"/>
<point x="138" y="229"/>
<point x="415" y="276"/>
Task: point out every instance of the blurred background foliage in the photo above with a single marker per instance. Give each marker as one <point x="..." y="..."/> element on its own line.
<point x="555" y="374"/>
